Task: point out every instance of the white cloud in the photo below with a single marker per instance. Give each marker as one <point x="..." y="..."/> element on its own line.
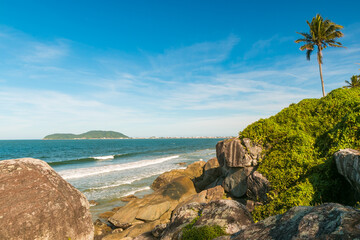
<point x="191" y="90"/>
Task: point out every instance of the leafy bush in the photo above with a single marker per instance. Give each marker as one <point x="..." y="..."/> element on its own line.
<point x="189" y="232"/>
<point x="300" y="142"/>
<point x="202" y="233"/>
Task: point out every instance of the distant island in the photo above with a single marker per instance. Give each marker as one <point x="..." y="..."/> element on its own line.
<point x="87" y="135"/>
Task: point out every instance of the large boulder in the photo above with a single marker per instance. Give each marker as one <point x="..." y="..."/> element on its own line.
<point x="37" y="203"/>
<point x="348" y="165"/>
<point x="327" y="221"/>
<point x="193" y="171"/>
<point x="235" y="181"/>
<point x="257" y="187"/>
<point x="212" y="171"/>
<point x="238" y="153"/>
<point x="231" y="215"/>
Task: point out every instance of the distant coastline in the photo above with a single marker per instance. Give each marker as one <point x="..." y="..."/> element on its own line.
<point x="95" y="134"/>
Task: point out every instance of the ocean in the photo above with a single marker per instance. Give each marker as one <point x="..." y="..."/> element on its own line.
<point x="106" y="170"/>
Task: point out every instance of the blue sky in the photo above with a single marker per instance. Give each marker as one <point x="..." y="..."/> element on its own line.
<point x="161" y="68"/>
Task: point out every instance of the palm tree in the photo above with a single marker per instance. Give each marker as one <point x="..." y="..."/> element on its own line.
<point x="354" y="82"/>
<point x="323" y="33"/>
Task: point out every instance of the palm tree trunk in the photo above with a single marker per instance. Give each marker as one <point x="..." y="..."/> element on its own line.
<point x="320" y="69"/>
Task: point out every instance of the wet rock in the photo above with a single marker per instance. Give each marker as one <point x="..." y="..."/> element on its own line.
<point x="100" y="229"/>
<point x="93" y="203"/>
<point x="106" y="215"/>
<point x="326" y="221"/>
<point x="128" y="198"/>
<point x="37" y="203"/>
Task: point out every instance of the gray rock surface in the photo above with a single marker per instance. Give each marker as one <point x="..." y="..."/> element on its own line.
<point x="238" y="153"/>
<point x="228" y="214"/>
<point x="348" y="165"/>
<point x="236" y="181"/>
<point x="326" y="221"/>
<point x="37" y="203"/>
<point x="257" y="187"/>
<point x="212" y="171"/>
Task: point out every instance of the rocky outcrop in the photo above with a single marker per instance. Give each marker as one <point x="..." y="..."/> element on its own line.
<point x="327" y="221"/>
<point x="228" y="214"/>
<point x="238" y="153"/>
<point x="348" y="165"/>
<point x="36" y="203"/>
<point x="238" y="160"/>
<point x="142" y="215"/>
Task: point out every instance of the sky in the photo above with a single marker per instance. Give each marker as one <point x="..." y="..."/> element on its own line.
<point x="161" y="68"/>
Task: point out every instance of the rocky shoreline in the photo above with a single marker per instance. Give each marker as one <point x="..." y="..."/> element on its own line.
<point x="222" y="192"/>
<point x="214" y="199"/>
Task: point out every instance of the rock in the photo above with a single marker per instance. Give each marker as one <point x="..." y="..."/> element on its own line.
<point x="145" y="236"/>
<point x="212" y="171"/>
<point x="235" y="182"/>
<point x="257" y="187"/>
<point x="193" y="171"/>
<point x="93" y="203"/>
<point x="106" y="215"/>
<point x="37" y="203"/>
<point x="238" y="153"/>
<point x="205" y="196"/>
<point x="158" y="230"/>
<point x="142" y="215"/>
<point x="348" y="165"/>
<point x="326" y="221"/>
<point x="128" y="198"/>
<point x="100" y="229"/>
<point x="180" y="218"/>
<point x="229" y="214"/>
<point x="152" y="212"/>
<point x="181" y="163"/>
<point x="166" y="178"/>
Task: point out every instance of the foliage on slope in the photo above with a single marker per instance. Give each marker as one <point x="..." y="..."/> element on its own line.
<point x="300" y="142"/>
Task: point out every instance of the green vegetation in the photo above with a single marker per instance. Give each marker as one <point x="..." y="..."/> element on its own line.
<point x="299" y="144"/>
<point x="87" y="135"/>
<point x="323" y="33"/>
<point x="201" y="233"/>
<point x="354" y="82"/>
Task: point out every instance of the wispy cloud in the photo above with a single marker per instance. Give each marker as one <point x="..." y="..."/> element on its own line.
<point x="53" y="86"/>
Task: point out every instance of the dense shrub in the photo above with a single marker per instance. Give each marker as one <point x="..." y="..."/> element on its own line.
<point x="300" y="142"/>
<point x="189" y="232"/>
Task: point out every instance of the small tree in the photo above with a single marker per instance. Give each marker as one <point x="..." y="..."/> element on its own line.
<point x="354" y="82"/>
<point x="323" y="33"/>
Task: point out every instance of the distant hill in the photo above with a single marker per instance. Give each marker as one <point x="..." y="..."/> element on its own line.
<point x="87" y="135"/>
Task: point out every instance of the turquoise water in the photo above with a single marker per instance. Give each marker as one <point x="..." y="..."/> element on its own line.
<point x="105" y="170"/>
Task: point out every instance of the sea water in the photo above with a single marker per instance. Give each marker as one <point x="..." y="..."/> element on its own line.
<point x="108" y="169"/>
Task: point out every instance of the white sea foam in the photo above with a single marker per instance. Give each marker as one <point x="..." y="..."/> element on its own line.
<point x="135" y="191"/>
<point x="130" y="181"/>
<point x="104" y="157"/>
<point x="85" y="172"/>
